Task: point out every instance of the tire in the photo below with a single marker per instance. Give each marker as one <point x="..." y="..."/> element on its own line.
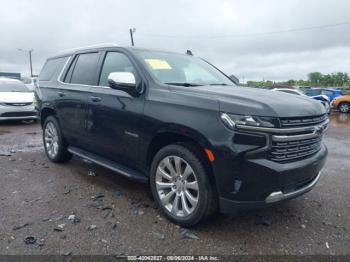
<point x="344" y="107"/>
<point x="54" y="144"/>
<point x="190" y="183"/>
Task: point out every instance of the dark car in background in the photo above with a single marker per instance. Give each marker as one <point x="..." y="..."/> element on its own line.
<point x="176" y="122"/>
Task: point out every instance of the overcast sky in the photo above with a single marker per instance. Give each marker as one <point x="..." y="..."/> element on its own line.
<point x="227" y="33"/>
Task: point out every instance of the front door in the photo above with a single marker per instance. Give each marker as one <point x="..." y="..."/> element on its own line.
<point x="114" y="114"/>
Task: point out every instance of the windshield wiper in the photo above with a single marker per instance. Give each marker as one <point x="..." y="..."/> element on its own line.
<point x="182" y="84"/>
<point x="218" y="84"/>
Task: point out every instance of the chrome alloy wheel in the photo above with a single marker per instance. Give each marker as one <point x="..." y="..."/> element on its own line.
<point x="51" y="140"/>
<point x="344" y="108"/>
<point x="177" y="186"/>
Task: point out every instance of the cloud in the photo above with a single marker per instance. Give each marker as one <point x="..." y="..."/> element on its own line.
<point x="50" y="26"/>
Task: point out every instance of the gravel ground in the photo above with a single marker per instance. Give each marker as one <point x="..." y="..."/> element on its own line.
<point x="81" y="208"/>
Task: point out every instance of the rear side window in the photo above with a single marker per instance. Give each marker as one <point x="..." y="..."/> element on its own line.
<point x="84" y="71"/>
<point x="115" y="62"/>
<point x="52" y="68"/>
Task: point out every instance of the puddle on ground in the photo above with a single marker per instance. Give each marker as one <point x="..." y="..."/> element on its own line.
<point x="4" y="131"/>
<point x="340" y="120"/>
<point x="25" y="142"/>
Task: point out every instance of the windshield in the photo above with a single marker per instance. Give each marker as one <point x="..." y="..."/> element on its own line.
<point x="184" y="70"/>
<point x="13" y="86"/>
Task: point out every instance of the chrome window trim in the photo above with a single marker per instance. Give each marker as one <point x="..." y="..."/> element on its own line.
<point x="64" y="85"/>
<point x="62" y="70"/>
<point x="70" y="84"/>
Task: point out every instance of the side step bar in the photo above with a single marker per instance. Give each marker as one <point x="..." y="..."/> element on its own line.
<point x="121" y="169"/>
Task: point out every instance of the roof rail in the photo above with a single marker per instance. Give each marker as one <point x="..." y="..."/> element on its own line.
<point x="72" y="50"/>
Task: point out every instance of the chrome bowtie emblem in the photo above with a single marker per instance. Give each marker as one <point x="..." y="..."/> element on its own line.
<point x="318" y="129"/>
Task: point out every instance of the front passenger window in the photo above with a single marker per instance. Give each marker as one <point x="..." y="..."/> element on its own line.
<point x="115" y="62"/>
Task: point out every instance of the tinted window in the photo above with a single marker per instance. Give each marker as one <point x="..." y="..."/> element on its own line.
<point x="70" y="71"/>
<point x="115" y="62"/>
<point x="313" y="92"/>
<point x="326" y="92"/>
<point x="52" y="68"/>
<point x="13" y="86"/>
<point x="85" y="69"/>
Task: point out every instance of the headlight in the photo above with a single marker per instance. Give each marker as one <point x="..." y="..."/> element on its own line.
<point x="231" y="121"/>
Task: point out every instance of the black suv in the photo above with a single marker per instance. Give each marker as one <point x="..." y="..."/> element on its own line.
<point x="178" y="123"/>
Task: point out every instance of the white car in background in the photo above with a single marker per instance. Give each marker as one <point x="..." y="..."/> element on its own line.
<point x="16" y="101"/>
<point x="322" y="98"/>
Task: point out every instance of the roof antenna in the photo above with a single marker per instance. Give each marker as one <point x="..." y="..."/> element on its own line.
<point x="189" y="52"/>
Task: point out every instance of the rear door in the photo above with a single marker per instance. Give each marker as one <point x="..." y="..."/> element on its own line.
<point x="114" y="114"/>
<point x="73" y="97"/>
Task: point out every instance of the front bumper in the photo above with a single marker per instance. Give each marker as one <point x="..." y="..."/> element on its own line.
<point x="280" y="196"/>
<point x="18" y="113"/>
<point x="231" y="206"/>
<point x="19" y="118"/>
<point x="264" y="183"/>
<point x="248" y="181"/>
<point x="276" y="195"/>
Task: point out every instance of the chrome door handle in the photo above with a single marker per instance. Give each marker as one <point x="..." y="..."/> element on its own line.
<point x="95" y="99"/>
<point x="61" y="94"/>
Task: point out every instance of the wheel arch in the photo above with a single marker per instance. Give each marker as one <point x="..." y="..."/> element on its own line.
<point x="46" y="112"/>
<point x="186" y="137"/>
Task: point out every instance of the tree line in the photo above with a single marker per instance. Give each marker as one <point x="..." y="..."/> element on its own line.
<point x="338" y="79"/>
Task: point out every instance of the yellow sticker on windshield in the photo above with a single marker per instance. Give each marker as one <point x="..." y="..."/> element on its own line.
<point x="158" y="64"/>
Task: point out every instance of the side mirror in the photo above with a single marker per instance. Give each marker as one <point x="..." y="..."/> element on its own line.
<point x="124" y="81"/>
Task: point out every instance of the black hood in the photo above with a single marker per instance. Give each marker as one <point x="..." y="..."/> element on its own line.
<point x="259" y="102"/>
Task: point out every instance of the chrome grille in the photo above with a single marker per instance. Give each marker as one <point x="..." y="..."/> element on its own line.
<point x="18" y="114"/>
<point x="18" y="104"/>
<point x="294" y="150"/>
<point x="303" y="139"/>
<point x="303" y="121"/>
